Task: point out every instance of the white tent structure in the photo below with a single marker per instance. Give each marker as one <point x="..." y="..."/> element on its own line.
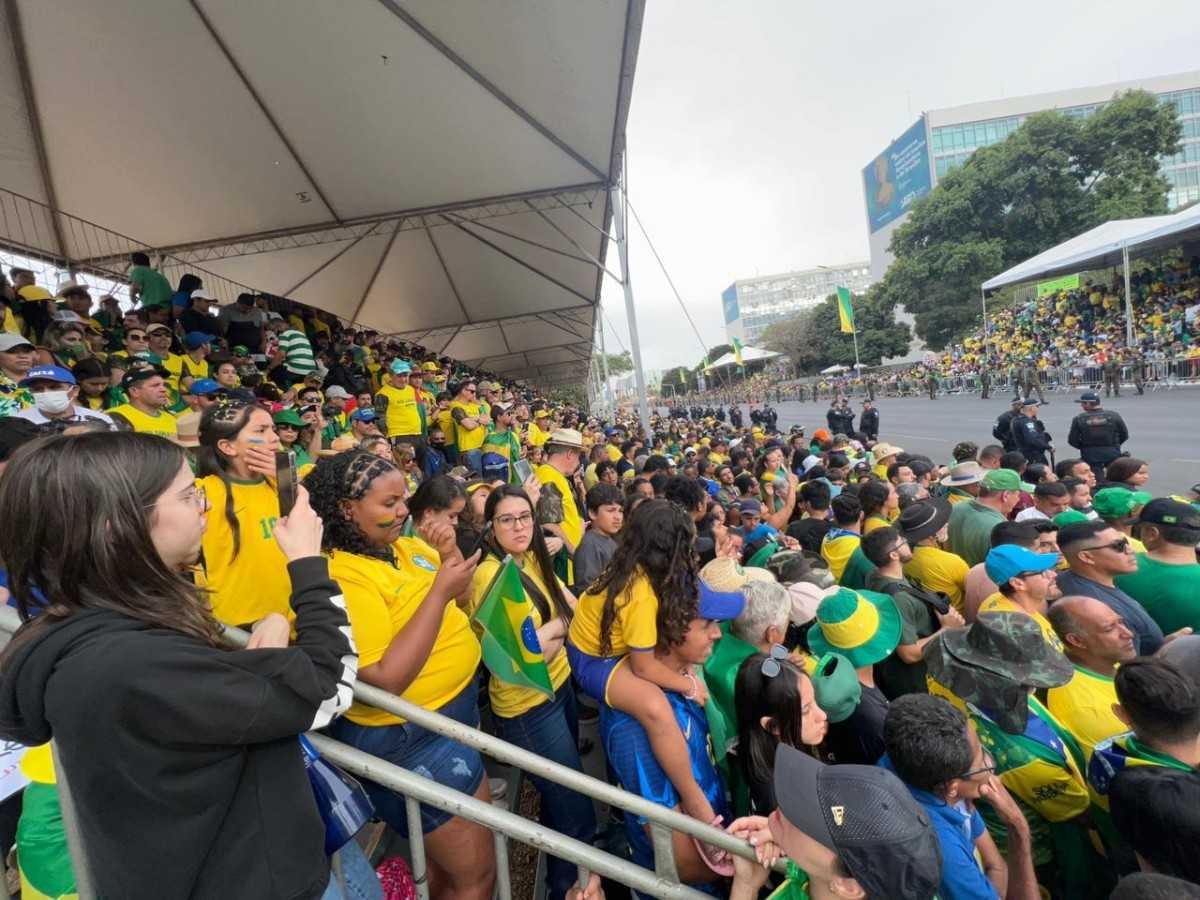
<point x="439" y="171"/>
<point x="749" y="355"/>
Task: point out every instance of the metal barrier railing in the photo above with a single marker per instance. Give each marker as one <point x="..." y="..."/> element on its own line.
<point x="663" y="882"/>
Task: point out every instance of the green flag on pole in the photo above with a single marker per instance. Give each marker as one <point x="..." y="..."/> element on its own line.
<point x="845" y="310"/>
<point x="737" y="353"/>
<point x="511" y="649"/>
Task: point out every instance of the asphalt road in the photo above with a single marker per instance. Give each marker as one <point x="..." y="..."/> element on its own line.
<point x="1164" y="426"/>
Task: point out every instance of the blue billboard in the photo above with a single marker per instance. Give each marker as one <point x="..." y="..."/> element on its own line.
<point x="897" y="177"/>
<point x="730" y="304"/>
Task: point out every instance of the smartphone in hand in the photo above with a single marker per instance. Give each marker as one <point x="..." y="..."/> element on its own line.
<point x="522" y="470"/>
<point x="286" y="481"/>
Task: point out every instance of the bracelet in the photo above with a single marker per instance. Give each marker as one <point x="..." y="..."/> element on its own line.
<point x="691" y="695"/>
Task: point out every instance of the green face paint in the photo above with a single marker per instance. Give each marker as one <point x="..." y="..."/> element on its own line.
<point x="390" y="523"/>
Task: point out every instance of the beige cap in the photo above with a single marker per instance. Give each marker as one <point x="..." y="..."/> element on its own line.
<point x="726" y="575"/>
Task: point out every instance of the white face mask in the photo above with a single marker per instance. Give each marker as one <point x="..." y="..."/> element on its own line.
<point x="52" y="402"/>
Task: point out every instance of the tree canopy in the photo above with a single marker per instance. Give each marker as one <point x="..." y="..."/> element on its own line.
<point x="1053" y="178"/>
<point x="618" y="363"/>
<point x="814" y="340"/>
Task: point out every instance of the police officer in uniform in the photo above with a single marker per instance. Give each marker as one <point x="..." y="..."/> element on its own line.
<point x="1002" y="430"/>
<point x="1097" y="433"/>
<point x="985" y="383"/>
<point x="1029" y="433"/>
<point x="868" y="422"/>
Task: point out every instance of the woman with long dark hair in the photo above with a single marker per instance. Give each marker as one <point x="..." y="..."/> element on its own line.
<point x="1127" y="472"/>
<point x="181" y="754"/>
<point x="775" y="705"/>
<point x="414" y="641"/>
<point x="242" y="568"/>
<point x="524" y="716"/>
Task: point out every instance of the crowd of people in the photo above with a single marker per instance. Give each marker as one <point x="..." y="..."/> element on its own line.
<point x="893" y="676"/>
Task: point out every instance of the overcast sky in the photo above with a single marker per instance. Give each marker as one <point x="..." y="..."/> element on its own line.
<point x="751" y="123"/>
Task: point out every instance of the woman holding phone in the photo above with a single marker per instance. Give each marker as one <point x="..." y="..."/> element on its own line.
<point x="242" y="568"/>
<point x="524" y="716"/>
<point x="414" y="641"/>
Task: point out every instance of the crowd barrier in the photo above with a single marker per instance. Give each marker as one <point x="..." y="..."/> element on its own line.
<point x="505" y="825"/>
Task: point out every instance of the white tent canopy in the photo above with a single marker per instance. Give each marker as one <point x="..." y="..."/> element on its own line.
<point x="1103" y="247"/>
<point x="429" y="169"/>
<point x="749" y="355"/>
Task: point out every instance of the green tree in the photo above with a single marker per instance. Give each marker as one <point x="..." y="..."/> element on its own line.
<point x="680" y="378"/>
<point x="813" y="339"/>
<point x="618" y="363"/>
<point x="715" y="353"/>
<point x="1051" y="179"/>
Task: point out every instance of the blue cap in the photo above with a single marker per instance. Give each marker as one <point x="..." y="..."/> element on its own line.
<point x="203" y="387"/>
<point x="194" y="339"/>
<point x="1009" y="560"/>
<point x="48" y="373"/>
<point x="720" y="606"/>
<point x="400" y="367"/>
<point x="363" y="415"/>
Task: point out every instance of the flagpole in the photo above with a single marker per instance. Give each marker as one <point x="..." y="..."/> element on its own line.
<point x="854" y="334"/>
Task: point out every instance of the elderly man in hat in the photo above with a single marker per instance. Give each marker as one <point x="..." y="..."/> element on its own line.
<point x="564" y="448"/>
<point x="989" y="671"/>
<point x="962" y="482"/>
<point x="924" y="525"/>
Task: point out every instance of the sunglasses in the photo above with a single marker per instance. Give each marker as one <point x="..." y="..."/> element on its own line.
<point x="773" y="664"/>
<point x="1120" y="546"/>
<point x="136" y="337"/>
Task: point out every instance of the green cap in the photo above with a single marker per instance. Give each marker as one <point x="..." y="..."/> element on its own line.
<point x="836" y="686"/>
<point x="1005" y="480"/>
<point x="1070" y="517"/>
<point x="288" y="417"/>
<point x="1118" y="502"/>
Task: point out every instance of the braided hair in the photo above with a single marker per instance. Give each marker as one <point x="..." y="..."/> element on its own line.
<point x="657" y="542"/>
<point x="338" y="479"/>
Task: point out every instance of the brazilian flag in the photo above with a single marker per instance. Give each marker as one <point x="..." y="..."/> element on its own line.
<point x="511" y="649"/>
<point x="737" y="353"/>
<point x="845" y="310"/>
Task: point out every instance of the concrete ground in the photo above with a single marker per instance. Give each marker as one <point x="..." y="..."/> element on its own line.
<point x="1164" y="426"/>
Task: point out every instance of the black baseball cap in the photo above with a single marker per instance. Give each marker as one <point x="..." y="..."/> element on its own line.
<point x="1165" y="511"/>
<point x="141" y="373"/>
<point x="867" y="817"/>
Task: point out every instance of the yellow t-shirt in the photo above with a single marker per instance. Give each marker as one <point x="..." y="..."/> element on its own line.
<point x="614" y="454"/>
<point x="939" y="570"/>
<point x="244" y="588"/>
<point x="634" y="627"/>
<point x="380" y="599"/>
<point x="469" y="438"/>
<point x="162" y="424"/>
<point x="403" y="416"/>
<point x="873" y="522"/>
<point x="1084" y="705"/>
<point x="997" y="602"/>
<point x="572" y="523"/>
<point x="535" y="436"/>
<point x="181" y="367"/>
<point x="445" y="421"/>
<point x="510" y="700"/>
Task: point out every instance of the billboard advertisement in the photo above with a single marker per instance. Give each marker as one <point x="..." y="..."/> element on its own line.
<point x="897" y="177"/>
<point x="729" y="303"/>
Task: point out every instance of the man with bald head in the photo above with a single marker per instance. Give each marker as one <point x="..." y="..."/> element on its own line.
<point x="1096" y="640"/>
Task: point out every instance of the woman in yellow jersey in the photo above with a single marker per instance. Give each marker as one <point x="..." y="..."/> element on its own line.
<point x="414" y="641"/>
<point x="244" y="570"/>
<point x="526" y="717"/>
<point x="438" y="501"/>
<point x="880" y="504"/>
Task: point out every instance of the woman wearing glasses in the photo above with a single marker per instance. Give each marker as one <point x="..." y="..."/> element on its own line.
<point x="524" y="716"/>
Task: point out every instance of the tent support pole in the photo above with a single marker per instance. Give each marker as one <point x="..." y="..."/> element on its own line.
<point x="607" y="394"/>
<point x="630" y="314"/>
<point x="1128" y="299"/>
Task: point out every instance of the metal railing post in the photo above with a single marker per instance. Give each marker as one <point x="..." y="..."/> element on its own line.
<point x="503" y="879"/>
<point x="416" y="848"/>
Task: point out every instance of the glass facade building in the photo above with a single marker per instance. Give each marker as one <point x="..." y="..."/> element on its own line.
<point x="952" y="144"/>
<point x="751" y="305"/>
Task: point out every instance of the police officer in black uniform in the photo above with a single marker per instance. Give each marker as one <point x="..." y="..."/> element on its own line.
<point x="1097" y="433"/>
<point x="1002" y="430"/>
<point x="868" y="422"/>
<point x="1029" y="433"/>
<point x="735" y="416"/>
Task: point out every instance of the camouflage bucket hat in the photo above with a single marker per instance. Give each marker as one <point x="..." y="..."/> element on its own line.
<point x="993" y="663"/>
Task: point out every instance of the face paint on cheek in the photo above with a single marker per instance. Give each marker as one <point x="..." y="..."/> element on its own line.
<point x="385" y="525"/>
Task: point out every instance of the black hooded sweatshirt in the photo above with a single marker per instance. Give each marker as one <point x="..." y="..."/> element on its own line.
<point x="183" y="759"/>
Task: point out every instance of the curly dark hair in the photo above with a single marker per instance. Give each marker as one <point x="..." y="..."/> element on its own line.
<point x="657" y="540"/>
<point x="335" y="480"/>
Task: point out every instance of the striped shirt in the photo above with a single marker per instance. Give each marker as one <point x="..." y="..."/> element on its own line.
<point x="298" y="352"/>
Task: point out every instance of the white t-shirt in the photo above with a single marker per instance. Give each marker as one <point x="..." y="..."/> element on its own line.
<point x="1031" y="514"/>
<point x="82" y="413"/>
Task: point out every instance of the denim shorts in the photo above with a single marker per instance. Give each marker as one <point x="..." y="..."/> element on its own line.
<point x="423" y="752"/>
<point x="592" y="673"/>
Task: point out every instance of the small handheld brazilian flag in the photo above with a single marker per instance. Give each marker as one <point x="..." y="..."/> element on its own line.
<point x="511" y="649"/>
<point x="845" y="310"/>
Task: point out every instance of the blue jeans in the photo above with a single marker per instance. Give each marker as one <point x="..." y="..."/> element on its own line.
<point x="425" y="753"/>
<point x="472" y="459"/>
<point x="357" y="876"/>
<point x="552" y="730"/>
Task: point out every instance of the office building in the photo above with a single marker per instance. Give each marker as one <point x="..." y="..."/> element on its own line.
<point x="942" y="139"/>
<point x="752" y="304"/>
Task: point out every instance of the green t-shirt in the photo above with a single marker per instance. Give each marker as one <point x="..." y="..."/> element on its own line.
<point x="156" y="290"/>
<point x="1169" y="592"/>
<point x="971" y="525"/>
